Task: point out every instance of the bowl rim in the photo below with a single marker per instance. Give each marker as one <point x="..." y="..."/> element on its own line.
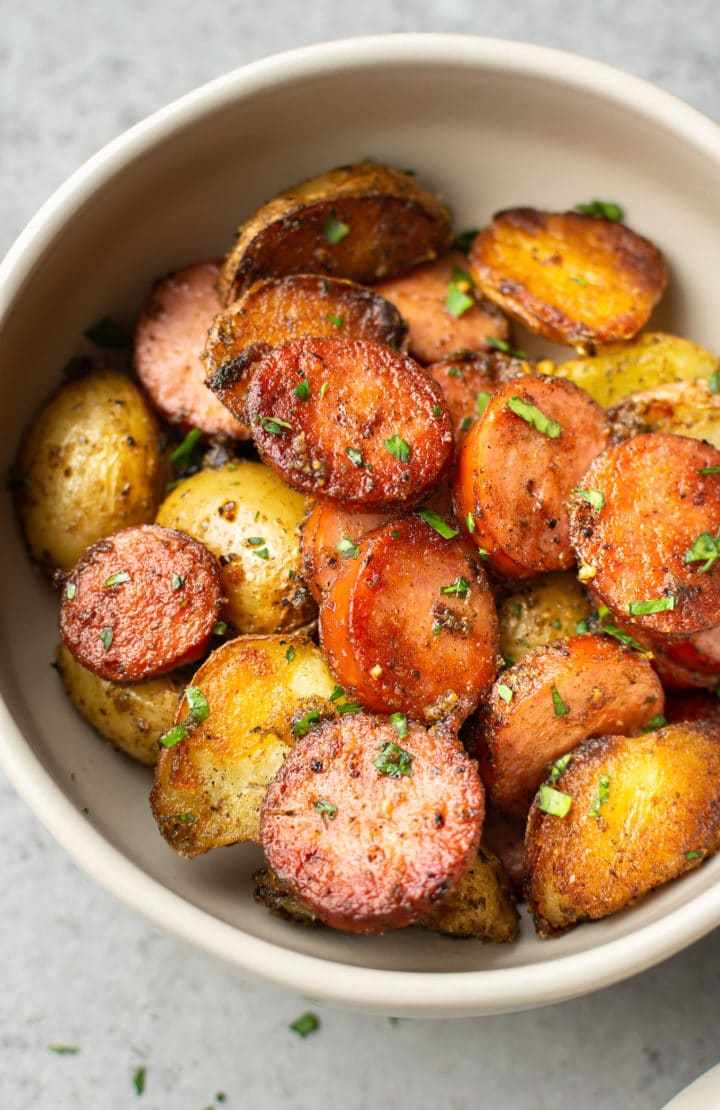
<point x="405" y="993"/>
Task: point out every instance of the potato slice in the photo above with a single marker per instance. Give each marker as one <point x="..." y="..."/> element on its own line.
<point x="573" y="278"/>
<point x="683" y="408"/>
<point x="90" y="464"/>
<point x="622" y="369"/>
<point x="298" y="306"/>
<point x="365" y="222"/>
<point x="480" y="906"/>
<point x="209" y="788"/>
<point x="538" y="610"/>
<point x="132" y="716"/>
<point x="251" y="521"/>
<point x="643" y="810"/>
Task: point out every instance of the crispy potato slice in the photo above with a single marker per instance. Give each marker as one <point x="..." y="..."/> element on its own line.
<point x="365" y="222"/>
<point x="209" y="788"/>
<point x="683" y="408"/>
<point x="250" y="520"/>
<point x="299" y="306"/>
<point x="643" y="811"/>
<point x="575" y="279"/>
<point x="480" y="906"/>
<point x="617" y="371"/>
<point x="538" y="610"/>
<point x="132" y="716"/>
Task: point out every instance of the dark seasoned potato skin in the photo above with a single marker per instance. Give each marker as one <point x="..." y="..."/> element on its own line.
<point x="393" y="223"/>
<point x="661" y="819"/>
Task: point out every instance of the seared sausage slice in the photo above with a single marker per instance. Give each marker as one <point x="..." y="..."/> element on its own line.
<point x="278" y="310"/>
<point x="443" y="310"/>
<point x="573" y="278"/>
<point x="544" y="706"/>
<point x="518" y="467"/>
<point x="410" y="624"/>
<point x="329" y="536"/>
<point x="350" y="422"/>
<point x="140" y="603"/>
<point x="369" y="828"/>
<point x="642" y="810"/>
<point x="644" y="547"/>
<point x="468" y="381"/>
<point x="365" y="222"/>
<point x="169" y="338"/>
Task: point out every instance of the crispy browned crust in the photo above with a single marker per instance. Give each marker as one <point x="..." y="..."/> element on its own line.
<point x="395" y="223"/>
<point x="464" y="376"/>
<point x="298" y="306"/>
<point x="663" y="805"/>
<point x="575" y="279"/>
<point x="685" y="408"/>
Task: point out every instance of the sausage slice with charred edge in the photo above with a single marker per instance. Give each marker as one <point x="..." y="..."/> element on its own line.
<point x="639" y="811"/>
<point x="444" y="314"/>
<point x="573" y="278"/>
<point x="140" y="603"/>
<point x="409" y="624"/>
<point x="518" y="467"/>
<point x="169" y="339"/>
<point x="370" y="827"/>
<point x="649" y="548"/>
<point x="350" y="422"/>
<point x="544" y="706"/>
<point x="329" y="536"/>
<point x="365" y="222"/>
<point x="278" y="310"/>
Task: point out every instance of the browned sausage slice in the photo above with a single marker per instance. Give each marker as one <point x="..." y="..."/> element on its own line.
<point x="573" y="278"/>
<point x="140" y="603"/>
<point x="518" y="467"/>
<point x="410" y="624"/>
<point x="329" y="536"/>
<point x="370" y="827"/>
<point x="444" y="312"/>
<point x="169" y="338"/>
<point x="278" y="310"/>
<point x="650" y="547"/>
<point x="557" y="696"/>
<point x="468" y="383"/>
<point x="350" y="422"/>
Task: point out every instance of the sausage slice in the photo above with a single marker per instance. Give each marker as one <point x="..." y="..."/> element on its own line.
<point x="169" y="338"/>
<point x="351" y="422"/>
<point x="369" y="828"/>
<point x="469" y="381"/>
<point x="410" y="624"/>
<point x="329" y="536"/>
<point x="140" y="603"/>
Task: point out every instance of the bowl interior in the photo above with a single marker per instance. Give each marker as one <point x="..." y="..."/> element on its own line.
<point x="486" y="137"/>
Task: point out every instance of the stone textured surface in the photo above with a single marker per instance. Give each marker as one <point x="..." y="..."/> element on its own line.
<point x="77" y="968"/>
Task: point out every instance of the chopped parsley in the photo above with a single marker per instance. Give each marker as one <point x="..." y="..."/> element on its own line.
<point x="305" y="1024"/>
<point x="181" y="457"/>
<point x="323" y="390"/>
<point x="117" y="579"/>
<point x="594" y="497"/>
<point x="335" y="230"/>
<point x="459" y="298"/>
<point x="608" y="209"/>
<point x="658" y="721"/>
<point x="398" y="448"/>
<point x="64" y="1049"/>
<point x="481" y="402"/>
<point x="199" y="712"/>
<point x="560" y="766"/>
<point x="275" y="426"/>
<point x="578" y="280"/>
<point x="470" y="523"/>
<point x="459" y="587"/>
<point x="219" y="628"/>
<point x="504" y="692"/>
<point x="455" y="372"/>
<point x="347" y="548"/>
<point x="336" y="321"/>
<point x="187" y="818"/>
<point x="178" y="581"/>
<point x="349" y="707"/>
<point x="109" y="333"/>
<point x="709" y="470"/>
<point x="560" y="708"/>
<point x="107" y="637"/>
<point x="399" y="723"/>
<point x="582" y="627"/>
<point x="326" y="809"/>
<point x="139" y="1080"/>
<point x="70" y="590"/>
<point x="466" y="424"/>
<point x="464" y="240"/>
<point x="504" y="346"/>
<point x="302" y="390"/>
<point x="554" y="801"/>
<point x="653" y="605"/>
<point x="438" y="411"/>
<point x="261" y="552"/>
<point x="534" y="416"/>
<point x="255" y="541"/>
<point x="393" y="761"/>
<point x="602" y="796"/>
<point x="302" y="727"/>
<point x="623" y="637"/>
<point x="290" y="654"/>
<point x="695" y="854"/>
<point x="355" y="457"/>
<point x="436" y="521"/>
<point x="338" y="692"/>
<point x="704" y="550"/>
<point x="714" y="381"/>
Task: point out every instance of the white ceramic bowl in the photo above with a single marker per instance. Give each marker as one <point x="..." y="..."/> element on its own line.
<point x="488" y="123"/>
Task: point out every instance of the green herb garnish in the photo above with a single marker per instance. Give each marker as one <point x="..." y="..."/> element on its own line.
<point x="326" y="809"/>
<point x="710" y="470"/>
<point x="602" y="796"/>
<point x="438" y="411"/>
<point x="560" y="709"/>
<point x="187" y="818"/>
<point x="302" y="727"/>
<point x="199" y="712"/>
<point x="275" y="426"/>
<point x="582" y="627"/>
<point x="109" y="333"/>
<point x="255" y="541"/>
<point x="464" y="240"/>
<point x="178" y="581"/>
<point x="338" y="692"/>
<point x="393" y="761"/>
<point x="302" y="390"/>
<point x="470" y="523"/>
<point x="349" y="707"/>
<point x="481" y="402"/>
<point x="219" y="628"/>
<point x="695" y="854"/>
<point x="70" y="590"/>
<point x="504" y="692"/>
<point x="436" y="521"/>
<point x="504" y="346"/>
<point x="653" y="605"/>
<point x="459" y="299"/>
<point x="398" y="448"/>
<point x="608" y="209"/>
<point x="594" y="497"/>
<point x="658" y="721"/>
<point x="290" y="654"/>
<point x="117" y="579"/>
<point x="355" y="457"/>
<point x="554" y="801"/>
<point x="455" y="372"/>
<point x="107" y="637"/>
<point x="623" y="637"/>
<point x="532" y="415"/>
<point x="181" y="457"/>
<point x="399" y="723"/>
<point x="64" y="1049"/>
<point x="560" y="766"/>
<point x="336" y="321"/>
<point x="705" y="549"/>
<point x="139" y="1080"/>
<point x="335" y="230"/>
<point x="305" y="1025"/>
<point x="347" y="548"/>
<point x="459" y="587"/>
<point x="714" y="381"/>
<point x="466" y="424"/>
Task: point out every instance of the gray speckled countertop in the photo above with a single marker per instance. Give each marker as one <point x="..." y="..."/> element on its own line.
<point x="78" y="968"/>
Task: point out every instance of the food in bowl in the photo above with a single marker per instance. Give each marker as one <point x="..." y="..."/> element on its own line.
<point x="433" y="507"/>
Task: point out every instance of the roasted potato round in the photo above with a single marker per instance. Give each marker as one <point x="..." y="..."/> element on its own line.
<point x="90" y="464"/>
<point x="251" y="521"/>
<point x="682" y="408"/>
<point x="132" y="716"/>
<point x="261" y="692"/>
<point x="539" y="610"/>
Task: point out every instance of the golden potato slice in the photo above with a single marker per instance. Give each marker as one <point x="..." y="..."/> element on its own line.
<point x="90" y="464"/>
<point x="250" y="520"/>
<point x="298" y="306"/>
<point x="209" y="787"/>
<point x="133" y="716"/>
<point x="643" y="810"/>
<point x="538" y="610"/>
<point x="364" y="222"/>
<point x="682" y="408"/>
<point x="480" y="906"/>
<point x="622" y="369"/>
<point x="573" y="278"/>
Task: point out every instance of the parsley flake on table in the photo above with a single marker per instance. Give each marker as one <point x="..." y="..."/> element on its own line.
<point x="139" y="1080"/>
<point x="305" y="1024"/>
